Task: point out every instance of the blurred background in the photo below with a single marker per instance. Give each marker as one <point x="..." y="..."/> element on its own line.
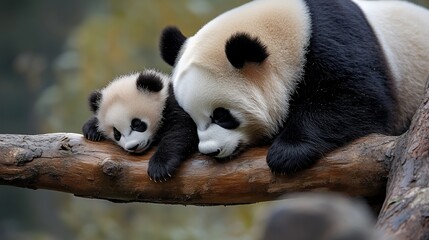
<point x="53" y="53"/>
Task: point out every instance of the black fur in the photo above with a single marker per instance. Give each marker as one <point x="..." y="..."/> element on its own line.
<point x="223" y="118"/>
<point x="149" y="81"/>
<point x="94" y="101"/>
<point x="171" y="42"/>
<point x="345" y="93"/>
<point x="90" y="130"/>
<point x="176" y="139"/>
<point x="138" y="125"/>
<point x="242" y="48"/>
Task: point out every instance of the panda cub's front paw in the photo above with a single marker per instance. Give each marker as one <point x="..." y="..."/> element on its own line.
<point x="160" y="170"/>
<point x="90" y="130"/>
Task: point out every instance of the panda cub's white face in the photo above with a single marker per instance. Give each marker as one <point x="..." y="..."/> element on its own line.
<point x="128" y="130"/>
<point x="130" y="110"/>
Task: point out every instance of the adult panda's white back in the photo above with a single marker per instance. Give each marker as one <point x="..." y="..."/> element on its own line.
<point x="402" y="29"/>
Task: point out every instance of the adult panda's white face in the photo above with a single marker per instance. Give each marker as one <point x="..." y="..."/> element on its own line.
<point x="235" y="76"/>
<point x="129" y="110"/>
<point x="222" y="117"/>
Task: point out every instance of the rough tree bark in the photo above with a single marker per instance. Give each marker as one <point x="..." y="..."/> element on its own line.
<point x="405" y="213"/>
<point x="67" y="162"/>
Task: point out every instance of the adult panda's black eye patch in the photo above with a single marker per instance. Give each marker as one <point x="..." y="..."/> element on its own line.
<point x="223" y="118"/>
<point x="138" y="125"/>
<point x="116" y="134"/>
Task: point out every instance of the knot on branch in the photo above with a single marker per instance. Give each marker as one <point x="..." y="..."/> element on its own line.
<point x="17" y="156"/>
<point x="111" y="168"/>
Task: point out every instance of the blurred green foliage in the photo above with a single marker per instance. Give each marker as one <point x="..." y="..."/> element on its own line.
<point x="95" y="219"/>
<point x="118" y="37"/>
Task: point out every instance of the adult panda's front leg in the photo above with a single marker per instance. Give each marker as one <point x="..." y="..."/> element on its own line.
<point x="298" y="147"/>
<point x="315" y="128"/>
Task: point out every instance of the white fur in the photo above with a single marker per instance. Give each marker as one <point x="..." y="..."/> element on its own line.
<point x="258" y="96"/>
<point x="203" y="78"/>
<point x="403" y="31"/>
<point x="121" y="102"/>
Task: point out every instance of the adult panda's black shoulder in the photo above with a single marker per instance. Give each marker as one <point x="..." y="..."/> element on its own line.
<point x="138" y="110"/>
<point x="311" y="75"/>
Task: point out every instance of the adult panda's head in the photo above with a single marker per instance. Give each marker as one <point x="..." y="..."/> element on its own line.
<point x="236" y="74"/>
<point x="129" y="110"/>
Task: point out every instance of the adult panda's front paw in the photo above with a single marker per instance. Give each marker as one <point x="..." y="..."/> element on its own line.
<point x="291" y="158"/>
<point x="90" y="130"/>
<point x="160" y="170"/>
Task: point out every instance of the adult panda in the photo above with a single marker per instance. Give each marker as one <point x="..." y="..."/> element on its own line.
<point x="312" y="74"/>
<point x="138" y="110"/>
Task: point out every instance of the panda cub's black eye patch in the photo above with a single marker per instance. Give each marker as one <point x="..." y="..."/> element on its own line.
<point x="116" y="134"/>
<point x="223" y="118"/>
<point x="138" y="125"/>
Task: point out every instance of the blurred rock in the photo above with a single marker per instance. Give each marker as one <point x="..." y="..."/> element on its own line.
<point x="320" y="216"/>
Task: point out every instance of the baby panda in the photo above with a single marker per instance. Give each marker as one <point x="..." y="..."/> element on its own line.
<point x="138" y="110"/>
<point x="308" y="75"/>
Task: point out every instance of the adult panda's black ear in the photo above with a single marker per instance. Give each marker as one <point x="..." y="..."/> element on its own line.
<point x="94" y="101"/>
<point x="241" y="48"/>
<point x="149" y="81"/>
<point x="170" y="44"/>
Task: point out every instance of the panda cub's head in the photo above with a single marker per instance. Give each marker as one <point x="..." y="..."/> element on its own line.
<point x="129" y="110"/>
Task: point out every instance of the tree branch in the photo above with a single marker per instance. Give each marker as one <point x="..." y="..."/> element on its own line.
<point x="405" y="213"/>
<point x="67" y="162"/>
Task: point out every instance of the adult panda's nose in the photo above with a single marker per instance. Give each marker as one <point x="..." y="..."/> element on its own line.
<point x="132" y="147"/>
<point x="208" y="147"/>
<point x="213" y="154"/>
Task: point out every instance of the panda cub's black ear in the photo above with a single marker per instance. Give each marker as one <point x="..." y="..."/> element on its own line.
<point x="149" y="81"/>
<point x="170" y="44"/>
<point x="94" y="101"/>
<point x="241" y="48"/>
